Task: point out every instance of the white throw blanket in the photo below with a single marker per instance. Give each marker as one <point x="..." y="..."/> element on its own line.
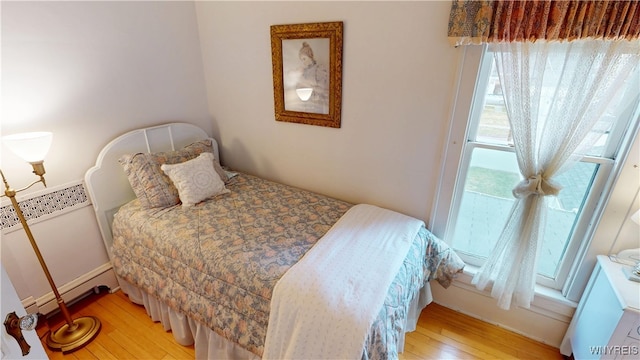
<point x="325" y="304"/>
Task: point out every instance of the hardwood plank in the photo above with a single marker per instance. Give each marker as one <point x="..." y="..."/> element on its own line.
<point x="100" y="352"/>
<point x="155" y="333"/>
<point x="131" y="327"/>
<point x="129" y="333"/>
<point x="421" y="343"/>
<point x="477" y="350"/>
<point x="485" y="337"/>
<point x="466" y="336"/>
<point x="148" y="334"/>
<point x="139" y="350"/>
<point x="114" y="347"/>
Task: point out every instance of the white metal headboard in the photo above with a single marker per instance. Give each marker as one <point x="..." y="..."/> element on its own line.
<point x="106" y="182"/>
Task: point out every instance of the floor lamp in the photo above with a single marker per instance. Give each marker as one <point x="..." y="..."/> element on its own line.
<point x="32" y="147"/>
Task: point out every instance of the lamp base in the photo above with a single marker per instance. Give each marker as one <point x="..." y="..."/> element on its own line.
<point x="69" y="338"/>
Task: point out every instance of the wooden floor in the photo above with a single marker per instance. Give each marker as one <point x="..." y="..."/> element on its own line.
<point x="128" y="333"/>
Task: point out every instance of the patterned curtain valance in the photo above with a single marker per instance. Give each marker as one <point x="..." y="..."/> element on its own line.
<point x="494" y="21"/>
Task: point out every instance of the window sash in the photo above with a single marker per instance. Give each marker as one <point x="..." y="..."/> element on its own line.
<point x="473" y="76"/>
<point x="616" y="134"/>
<point x="581" y="227"/>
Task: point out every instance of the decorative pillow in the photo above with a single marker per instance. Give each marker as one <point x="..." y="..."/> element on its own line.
<point x="195" y="179"/>
<point x="152" y="186"/>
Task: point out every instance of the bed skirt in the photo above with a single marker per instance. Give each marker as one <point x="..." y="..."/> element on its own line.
<point x="209" y="345"/>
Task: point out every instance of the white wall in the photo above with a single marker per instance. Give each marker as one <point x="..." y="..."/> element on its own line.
<point x="91" y="70"/>
<point x="398" y="74"/>
<point x="88" y="71"/>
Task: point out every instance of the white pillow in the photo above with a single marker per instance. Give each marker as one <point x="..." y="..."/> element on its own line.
<point x="196" y="179"/>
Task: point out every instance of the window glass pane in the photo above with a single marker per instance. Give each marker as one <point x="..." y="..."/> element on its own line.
<point x="564" y="210"/>
<point x="622" y="106"/>
<point x="493" y="126"/>
<point x="487" y="200"/>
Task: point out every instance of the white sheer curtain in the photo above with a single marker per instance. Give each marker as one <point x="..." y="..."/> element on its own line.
<point x="554" y="93"/>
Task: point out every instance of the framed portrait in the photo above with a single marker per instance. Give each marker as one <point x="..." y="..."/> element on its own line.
<point x="307" y="73"/>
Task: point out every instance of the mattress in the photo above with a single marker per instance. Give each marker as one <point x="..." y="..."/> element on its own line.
<point x="218" y="262"/>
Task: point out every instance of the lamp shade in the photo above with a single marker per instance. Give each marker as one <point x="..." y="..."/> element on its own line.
<point x="32" y="146"/>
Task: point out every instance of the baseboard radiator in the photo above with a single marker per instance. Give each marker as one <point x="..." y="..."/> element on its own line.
<point x="102" y="276"/>
<point x="44" y="205"/>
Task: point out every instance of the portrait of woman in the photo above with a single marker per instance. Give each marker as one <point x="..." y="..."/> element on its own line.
<point x="306" y="75"/>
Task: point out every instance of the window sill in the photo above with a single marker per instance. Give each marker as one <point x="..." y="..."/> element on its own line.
<point x="547" y="301"/>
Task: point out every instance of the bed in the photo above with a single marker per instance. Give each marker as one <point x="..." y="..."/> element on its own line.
<point x="243" y="267"/>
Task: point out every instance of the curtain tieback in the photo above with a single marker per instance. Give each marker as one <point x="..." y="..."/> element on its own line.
<point x="536" y="185"/>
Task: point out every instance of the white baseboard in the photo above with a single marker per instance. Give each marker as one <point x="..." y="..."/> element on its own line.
<point x="30" y="305"/>
<point x="100" y="276"/>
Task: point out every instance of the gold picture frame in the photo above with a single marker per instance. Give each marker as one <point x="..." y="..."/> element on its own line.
<point x="307" y="73"/>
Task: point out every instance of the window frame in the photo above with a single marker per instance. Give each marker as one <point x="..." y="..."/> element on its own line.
<point x="469" y="92"/>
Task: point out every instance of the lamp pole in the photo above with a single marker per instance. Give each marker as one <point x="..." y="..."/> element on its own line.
<point x="75" y="333"/>
<point x="11" y="194"/>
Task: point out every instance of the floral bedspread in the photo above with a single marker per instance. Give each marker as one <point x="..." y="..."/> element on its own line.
<point x="219" y="261"/>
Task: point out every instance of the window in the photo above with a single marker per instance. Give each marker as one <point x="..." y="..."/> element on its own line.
<point x="487" y="172"/>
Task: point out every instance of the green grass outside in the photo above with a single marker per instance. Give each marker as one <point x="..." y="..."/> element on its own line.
<point x="491" y="182"/>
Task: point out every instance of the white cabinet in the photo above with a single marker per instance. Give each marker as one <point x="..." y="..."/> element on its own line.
<point x="606" y="324"/>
